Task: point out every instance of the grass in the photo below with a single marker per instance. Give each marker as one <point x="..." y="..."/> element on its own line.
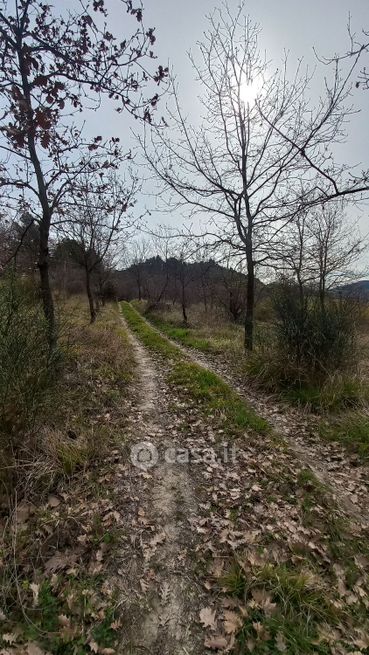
<point x="336" y="394"/>
<point x="213" y="336"/>
<point x="217" y="397"/>
<point x="351" y="430"/>
<point x="207" y="389"/>
<point x="285" y="610"/>
<point x="149" y="337"/>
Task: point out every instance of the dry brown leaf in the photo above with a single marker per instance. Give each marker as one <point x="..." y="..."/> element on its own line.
<point x="280" y="643"/>
<point x="59" y="561"/>
<point x="53" y="501"/>
<point x="64" y="620"/>
<point x="232" y="622"/>
<point x="207" y="617"/>
<point x="35" y="588"/>
<point x="157" y="539"/>
<point x="33" y="649"/>
<point x="216" y="643"/>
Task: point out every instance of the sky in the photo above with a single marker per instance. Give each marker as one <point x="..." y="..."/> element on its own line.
<point x="295" y="26"/>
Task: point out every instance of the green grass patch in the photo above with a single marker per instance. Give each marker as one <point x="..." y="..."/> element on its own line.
<point x="352" y="430"/>
<point x="217" y="397"/>
<point x="205" y="338"/>
<point x="187" y="336"/>
<point x="150" y="338"/>
<point x="333" y="395"/>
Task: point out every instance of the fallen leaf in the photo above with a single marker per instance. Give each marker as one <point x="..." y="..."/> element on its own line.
<point x="64" y="620"/>
<point x="33" y="649"/>
<point x="216" y="643"/>
<point x="232" y="622"/>
<point x="53" y="501"/>
<point x="157" y="539"/>
<point x="207" y="617"/>
<point x="35" y="588"/>
<point x="59" y="561"/>
<point x="280" y="643"/>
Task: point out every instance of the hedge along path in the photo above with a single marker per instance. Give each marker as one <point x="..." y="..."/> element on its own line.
<point x="329" y="462"/>
<point x="278" y="542"/>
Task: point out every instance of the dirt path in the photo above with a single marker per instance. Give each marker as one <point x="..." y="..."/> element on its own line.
<point x="200" y="532"/>
<point x="330" y="462"/>
<point x="166" y="622"/>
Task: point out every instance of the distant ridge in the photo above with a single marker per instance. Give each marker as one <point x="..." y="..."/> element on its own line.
<point x="359" y="289"/>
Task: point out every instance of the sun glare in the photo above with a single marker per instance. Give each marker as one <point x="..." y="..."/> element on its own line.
<point x="250" y="90"/>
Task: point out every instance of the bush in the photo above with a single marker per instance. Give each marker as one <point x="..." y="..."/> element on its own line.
<point x="314" y="341"/>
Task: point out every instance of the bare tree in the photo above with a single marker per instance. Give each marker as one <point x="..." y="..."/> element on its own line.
<point x="336" y="246"/>
<point x="232" y="291"/>
<point x="100" y="214"/>
<point x="318" y="250"/>
<point x="238" y="167"/>
<point x="53" y="66"/>
<point x="139" y="253"/>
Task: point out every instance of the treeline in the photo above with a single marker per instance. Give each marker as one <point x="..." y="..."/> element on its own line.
<point x="175" y="281"/>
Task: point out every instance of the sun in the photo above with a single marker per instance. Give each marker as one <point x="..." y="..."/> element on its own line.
<point x="250" y="90"/>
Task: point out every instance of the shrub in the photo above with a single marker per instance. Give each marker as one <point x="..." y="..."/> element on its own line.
<point x="314" y="340"/>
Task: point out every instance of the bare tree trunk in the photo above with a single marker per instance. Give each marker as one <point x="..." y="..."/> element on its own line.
<point x="322" y="295"/>
<point x="90" y="296"/>
<point x="184" y="313"/>
<point x="183" y="303"/>
<point x="44" y="227"/>
<point x="46" y="295"/>
<point x="250" y="299"/>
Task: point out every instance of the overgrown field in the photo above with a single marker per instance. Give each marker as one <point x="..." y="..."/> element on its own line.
<point x="59" y="524"/>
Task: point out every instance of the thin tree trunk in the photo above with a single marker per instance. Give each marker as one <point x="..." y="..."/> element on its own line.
<point x="184" y="313"/>
<point x="90" y="297"/>
<point x="183" y="304"/>
<point x="322" y="295"/>
<point x="46" y="295"/>
<point x="44" y="227"/>
<point x="250" y="303"/>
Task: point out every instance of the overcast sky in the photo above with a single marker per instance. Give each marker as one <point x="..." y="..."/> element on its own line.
<point x="296" y="26"/>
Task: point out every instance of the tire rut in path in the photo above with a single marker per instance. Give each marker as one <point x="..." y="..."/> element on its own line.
<point x="169" y="625"/>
